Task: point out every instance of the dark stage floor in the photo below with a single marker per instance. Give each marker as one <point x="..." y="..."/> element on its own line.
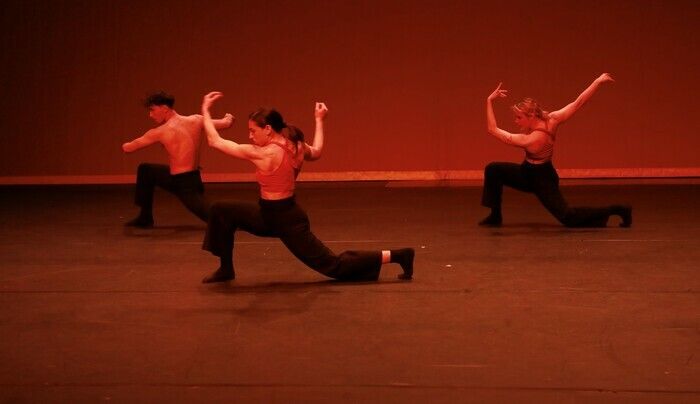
<point x="530" y="312"/>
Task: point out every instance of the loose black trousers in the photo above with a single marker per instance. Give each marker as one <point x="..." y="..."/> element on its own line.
<point x="186" y="186"/>
<point x="286" y="220"/>
<point x="543" y="181"/>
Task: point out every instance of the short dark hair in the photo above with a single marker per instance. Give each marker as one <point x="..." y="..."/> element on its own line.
<point x="159" y="98"/>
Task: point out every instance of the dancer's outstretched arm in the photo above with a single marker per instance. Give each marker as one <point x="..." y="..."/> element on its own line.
<point x="515" y="139"/>
<point x="225" y="122"/>
<point x="147" y="139"/>
<point x="243" y="151"/>
<point x="568" y="111"/>
<point x="313" y="152"/>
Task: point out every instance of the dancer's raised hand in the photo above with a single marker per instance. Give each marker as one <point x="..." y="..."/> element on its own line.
<point x="209" y="99"/>
<point x="498" y="92"/>
<point x="320" y="110"/>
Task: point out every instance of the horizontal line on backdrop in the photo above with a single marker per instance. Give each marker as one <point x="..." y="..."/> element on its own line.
<point x="439" y="175"/>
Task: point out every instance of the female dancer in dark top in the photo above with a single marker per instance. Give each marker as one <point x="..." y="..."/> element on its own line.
<point x="278" y="151"/>
<point x="536" y="174"/>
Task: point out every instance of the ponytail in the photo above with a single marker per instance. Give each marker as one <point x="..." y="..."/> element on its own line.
<point x="294" y="134"/>
<point x="272" y="117"/>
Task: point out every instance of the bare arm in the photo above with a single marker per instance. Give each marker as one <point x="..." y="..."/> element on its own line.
<point x="313" y="152"/>
<point x="515" y="139"/>
<point x="223" y="123"/>
<point x="242" y="151"/>
<point x="568" y="111"/>
<point x="147" y="139"/>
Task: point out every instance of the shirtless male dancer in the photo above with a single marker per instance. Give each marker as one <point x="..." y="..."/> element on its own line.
<point x="181" y="136"/>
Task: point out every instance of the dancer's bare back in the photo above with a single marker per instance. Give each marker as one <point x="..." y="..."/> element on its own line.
<point x="181" y="136"/>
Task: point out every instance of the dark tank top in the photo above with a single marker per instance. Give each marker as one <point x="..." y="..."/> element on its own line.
<point x="544" y="153"/>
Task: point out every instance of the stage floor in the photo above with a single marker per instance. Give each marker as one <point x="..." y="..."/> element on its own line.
<point x="531" y="312"/>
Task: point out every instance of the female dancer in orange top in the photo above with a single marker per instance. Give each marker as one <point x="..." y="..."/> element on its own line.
<point x="278" y="151"/>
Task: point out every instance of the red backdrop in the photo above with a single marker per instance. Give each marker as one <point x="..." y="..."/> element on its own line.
<point x="405" y="81"/>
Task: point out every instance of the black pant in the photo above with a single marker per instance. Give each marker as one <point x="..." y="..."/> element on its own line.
<point x="186" y="186"/>
<point x="543" y="181"/>
<point x="287" y="221"/>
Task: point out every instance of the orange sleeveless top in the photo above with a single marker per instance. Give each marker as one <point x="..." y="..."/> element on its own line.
<point x="283" y="178"/>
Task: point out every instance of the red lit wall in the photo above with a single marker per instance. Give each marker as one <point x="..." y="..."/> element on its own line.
<point x="405" y="81"/>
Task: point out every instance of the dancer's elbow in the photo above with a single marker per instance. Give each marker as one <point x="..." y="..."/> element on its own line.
<point x="214" y="142"/>
<point x="313" y="155"/>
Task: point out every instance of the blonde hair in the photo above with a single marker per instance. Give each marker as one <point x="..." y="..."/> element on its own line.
<point x="531" y="108"/>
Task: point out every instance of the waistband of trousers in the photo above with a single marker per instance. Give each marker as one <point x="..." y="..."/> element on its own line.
<point x="187" y="174"/>
<point x="278" y="203"/>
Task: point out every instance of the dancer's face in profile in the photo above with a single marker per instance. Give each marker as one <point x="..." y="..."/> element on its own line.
<point x="257" y="135"/>
<point x="522" y="120"/>
<point x="158" y="113"/>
